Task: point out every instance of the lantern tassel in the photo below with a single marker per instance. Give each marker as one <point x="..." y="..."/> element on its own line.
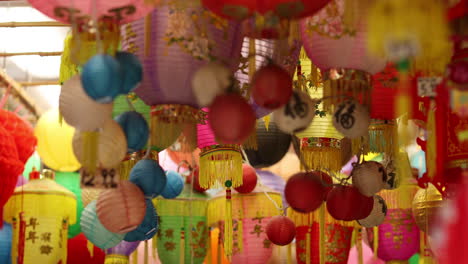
<point x="182" y="246"/>
<point x="220" y="163"/>
<point x="146" y="252"/>
<point x="431" y="141"/>
<point x="126" y="166"/>
<point x="289" y="260"/>
<point x="321" y="233"/>
<point x="209" y="259"/>
<point x="322" y="157"/>
<point x="240" y="231"/>
<point x="64" y="236"/>
<point x="252" y="59"/>
<point x="90" y="149"/>
<point x="228" y="236"/>
<point x="359" y="245"/>
<point x="308" y="249"/>
<point x="155" y="246"/>
<point x="251" y="142"/>
<point x="376" y="241"/>
<point x="135" y="257"/>
<point x="90" y="247"/>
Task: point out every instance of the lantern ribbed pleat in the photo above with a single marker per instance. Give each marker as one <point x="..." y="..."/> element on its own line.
<point x="121" y="210"/>
<point x="120" y="253"/>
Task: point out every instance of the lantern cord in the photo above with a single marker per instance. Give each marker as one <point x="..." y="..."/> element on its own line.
<point x="130" y="104"/>
<point x="94" y="16"/>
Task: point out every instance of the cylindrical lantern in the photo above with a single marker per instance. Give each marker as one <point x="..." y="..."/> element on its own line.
<point x="22" y="133"/>
<point x="183" y="231"/>
<point x="41" y="212"/>
<point x="120" y="253"/>
<point x="426" y="203"/>
<point x="79" y="251"/>
<point x="172" y="47"/>
<point x="121" y="210"/>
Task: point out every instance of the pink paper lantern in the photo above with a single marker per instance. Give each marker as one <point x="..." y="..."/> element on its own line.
<point x="121" y="11"/>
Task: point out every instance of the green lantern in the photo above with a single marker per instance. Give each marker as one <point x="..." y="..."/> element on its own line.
<point x="71" y="181"/>
<point x="121" y="105"/>
<point x="183" y="231"/>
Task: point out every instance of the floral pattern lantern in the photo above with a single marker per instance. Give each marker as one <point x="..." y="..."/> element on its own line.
<point x="173" y="43"/>
<point x="183" y="230"/>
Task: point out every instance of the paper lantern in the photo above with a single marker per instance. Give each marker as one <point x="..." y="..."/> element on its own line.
<point x="79" y="110"/>
<point x="304" y="192"/>
<point x="281" y="230"/>
<point x="183" y="230"/>
<point x="71" y="181"/>
<point x="174" y="185"/>
<point x="41" y="212"/>
<point x="101" y="78"/>
<point x="275" y="182"/>
<point x="176" y="50"/>
<point x="377" y="215"/>
<point x="249" y="179"/>
<point x="132" y="70"/>
<point x="55" y="142"/>
<point x="351" y="119"/>
<point x="95" y="232"/>
<point x="209" y="81"/>
<point x="6" y="236"/>
<point x="120" y="253"/>
<point x="347" y="203"/>
<point x="297" y="114"/>
<point x="272" y="145"/>
<point x="369" y="177"/>
<point x="79" y="253"/>
<point x="149" y="176"/>
<point x="426" y="203"/>
<point x="148" y="227"/>
<point x="121" y="210"/>
<point x="21" y="132"/>
<point x="384" y="92"/>
<point x="90" y="194"/>
<point x="112" y="145"/>
<point x="271" y="86"/>
<point x="231" y="118"/>
<point x="135" y="128"/>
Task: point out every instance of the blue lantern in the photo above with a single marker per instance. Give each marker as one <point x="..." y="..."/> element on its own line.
<point x="6" y="235"/>
<point x="135" y="128"/>
<point x="132" y="71"/>
<point x="149" y="176"/>
<point x="101" y="78"/>
<point x="148" y="228"/>
<point x="174" y="185"/>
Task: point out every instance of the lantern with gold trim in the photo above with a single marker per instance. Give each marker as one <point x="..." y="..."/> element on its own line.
<point x="426" y="202"/>
<point x="173" y="42"/>
<point x="40" y="212"/>
<point x="120" y="253"/>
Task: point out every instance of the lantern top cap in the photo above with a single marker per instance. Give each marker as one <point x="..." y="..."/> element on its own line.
<point x="48" y="174"/>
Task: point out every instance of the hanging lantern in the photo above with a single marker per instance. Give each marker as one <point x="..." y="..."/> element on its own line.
<point x="148" y="227"/>
<point x="95" y="232"/>
<point x="120" y="253"/>
<point x="397" y="169"/>
<point x="149" y="176"/>
<point x="6" y="236"/>
<point x="209" y="81"/>
<point x="249" y="179"/>
<point x="377" y="215"/>
<point x="351" y="119"/>
<point x="21" y="132"/>
<point x="132" y="70"/>
<point x="135" y="128"/>
<point x="78" y="252"/>
<point x="183" y="230"/>
<point x="271" y="86"/>
<point x="281" y="230"/>
<point x="121" y="210"/>
<point x="426" y="203"/>
<point x="384" y="92"/>
<point x="40" y="212"/>
<point x="71" y="181"/>
<point x="369" y="177"/>
<point x="275" y="182"/>
<point x="250" y="216"/>
<point x="55" y="151"/>
<point x="297" y="114"/>
<point x="347" y="203"/>
<point x="172" y="47"/>
<point x="304" y="191"/>
<point x="101" y="78"/>
<point x="174" y="185"/>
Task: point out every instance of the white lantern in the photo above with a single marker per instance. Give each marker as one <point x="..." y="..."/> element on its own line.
<point x="351" y="119"/>
<point x="369" y="177"/>
<point x="210" y="81"/>
<point x="297" y="114"/>
<point x="377" y="215"/>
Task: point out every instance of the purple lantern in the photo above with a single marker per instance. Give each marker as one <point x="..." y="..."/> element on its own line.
<point x="173" y="43"/>
<point x="121" y="252"/>
<point x="273" y="181"/>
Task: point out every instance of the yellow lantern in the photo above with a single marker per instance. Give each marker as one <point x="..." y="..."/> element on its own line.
<point x="41" y="212"/>
<point x="54" y="142"/>
<point x="425" y="204"/>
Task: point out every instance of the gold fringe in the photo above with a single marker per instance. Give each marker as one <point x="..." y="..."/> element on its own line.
<point x="375" y="243"/>
<point x="228" y="228"/>
<point x="267" y="119"/>
<point x="252" y="59"/>
<point x="383" y="136"/>
<point x="90" y="150"/>
<point x="339" y="90"/>
<point x="154" y="245"/>
<point x="126" y="166"/>
<point x="359" y="245"/>
<point x="322" y="233"/>
<point x="146" y="252"/>
<point x="431" y="141"/>
<point x="90" y="247"/>
<point x="317" y="158"/>
<point x="360" y="145"/>
<point x="188" y="138"/>
<point x="289" y="261"/>
<point x="135" y="257"/>
<point x="218" y="166"/>
<point x="240" y="232"/>
<point x="308" y="249"/>
<point x="350" y="16"/>
<point x="301" y="219"/>
<point x="182" y="246"/>
<point x="402" y="197"/>
<point x="164" y="134"/>
<point x="209" y="255"/>
<point x="251" y="142"/>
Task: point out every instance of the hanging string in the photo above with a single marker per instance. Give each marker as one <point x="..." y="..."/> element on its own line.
<point x="130" y="104"/>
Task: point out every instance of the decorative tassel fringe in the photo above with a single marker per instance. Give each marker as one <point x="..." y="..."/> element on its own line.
<point x="301" y="219"/>
<point x="317" y="158"/>
<point x="90" y="150"/>
<point x="182" y="246"/>
<point x="375" y="243"/>
<point x="209" y="248"/>
<point x="289" y="261"/>
<point x="219" y="164"/>
<point x="90" y="248"/>
<point x="126" y="166"/>
<point x="154" y="245"/>
<point x="251" y="141"/>
<point x="359" y="245"/>
<point x="116" y="259"/>
<point x="360" y="145"/>
<point x="402" y="197"/>
<point x="228" y="230"/>
<point x="252" y="60"/>
<point x="188" y="138"/>
<point x="383" y="136"/>
<point x="431" y="141"/>
<point x="308" y="249"/>
<point x="135" y="257"/>
<point x="163" y="134"/>
<point x="240" y="232"/>
<point x="321" y="234"/>
<point x="146" y="252"/>
<point x="267" y="119"/>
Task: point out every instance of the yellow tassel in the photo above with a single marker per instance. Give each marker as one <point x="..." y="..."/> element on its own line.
<point x="90" y="150"/>
<point x="359" y="245"/>
<point x="146" y="252"/>
<point x="182" y="246"/>
<point x="322" y="158"/>
<point x="126" y="166"/>
<point x="220" y="251"/>
<point x="154" y="245"/>
<point x="228" y="235"/>
<point x="164" y="134"/>
<point x="64" y="244"/>
<point x="90" y="247"/>
<point x="219" y="165"/>
<point x="350" y="17"/>
<point x="289" y="253"/>
<point x="240" y="231"/>
<point x="251" y="141"/>
<point x="376" y="241"/>
<point x="252" y="58"/>
<point x="60" y="118"/>
<point x="135" y="257"/>
<point x="209" y="255"/>
<point x="321" y="234"/>
<point x="431" y="141"/>
<point x="383" y="137"/>
<point x="267" y="119"/>
<point x="308" y="254"/>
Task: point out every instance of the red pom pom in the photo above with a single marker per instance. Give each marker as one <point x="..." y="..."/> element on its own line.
<point x="272" y="87"/>
<point x="348" y="204"/>
<point x="304" y="192"/>
<point x="281" y="230"/>
<point x="196" y="181"/>
<point x="21" y="131"/>
<point x="231" y="118"/>
<point x="249" y="179"/>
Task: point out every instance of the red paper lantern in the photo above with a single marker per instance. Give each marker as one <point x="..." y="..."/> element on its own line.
<point x="327" y="181"/>
<point x="231" y="118"/>
<point x="22" y="133"/>
<point x="384" y="92"/>
<point x="304" y="192"/>
<point x="348" y="204"/>
<point x="281" y="230"/>
<point x="241" y="9"/>
<point x="249" y="179"/>
<point x="271" y="86"/>
<point x="78" y="252"/>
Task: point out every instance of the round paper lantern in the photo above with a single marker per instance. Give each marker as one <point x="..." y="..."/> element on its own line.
<point x="131" y="70"/>
<point x="347" y="203"/>
<point x="79" y="110"/>
<point x="369" y="177"/>
<point x="122" y="209"/>
<point x="351" y="119"/>
<point x="281" y="230"/>
<point x="377" y="215"/>
<point x="231" y="118"/>
<point x="22" y="133"/>
<point x="148" y="228"/>
<point x="6" y="236"/>
<point x="135" y="128"/>
<point x="210" y="81"/>
<point x="95" y="232"/>
<point x="272" y="145"/>
<point x="271" y="86"/>
<point x="90" y="194"/>
<point x="149" y="176"/>
<point x="111" y="148"/>
<point x="297" y="114"/>
<point x="78" y="252"/>
<point x="304" y="192"/>
<point x="55" y="142"/>
<point x="426" y="204"/>
<point x="101" y="78"/>
<point x="249" y="179"/>
<point x="174" y="185"/>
